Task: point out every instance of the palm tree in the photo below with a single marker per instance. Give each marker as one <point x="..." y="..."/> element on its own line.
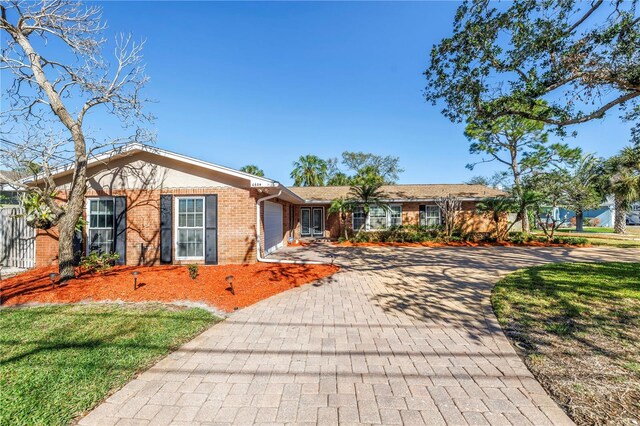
<point x="252" y="170"/>
<point x="309" y="170"/>
<point x="622" y="179"/>
<point x="498" y="207"/>
<point x="342" y="207"/>
<point x="582" y="191"/>
<point x="367" y="195"/>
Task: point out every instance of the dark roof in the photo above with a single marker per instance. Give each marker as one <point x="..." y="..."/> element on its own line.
<point x="400" y="192"/>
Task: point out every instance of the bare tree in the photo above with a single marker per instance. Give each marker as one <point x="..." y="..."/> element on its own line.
<point x="450" y="207"/>
<point x="50" y="98"/>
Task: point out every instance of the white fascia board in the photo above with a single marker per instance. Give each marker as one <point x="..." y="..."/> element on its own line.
<point x="399" y="200"/>
<point x="129" y="149"/>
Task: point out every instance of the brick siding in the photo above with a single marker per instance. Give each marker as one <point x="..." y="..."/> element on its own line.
<point x="236" y="225"/>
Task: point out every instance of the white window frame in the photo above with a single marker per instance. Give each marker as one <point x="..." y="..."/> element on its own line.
<point x="426" y="217"/>
<point x="367" y="225"/>
<point x="176" y="226"/>
<point x="89" y="227"/>
<point x="390" y="217"/>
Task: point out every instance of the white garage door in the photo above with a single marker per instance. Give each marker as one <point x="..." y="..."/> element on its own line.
<point x="272" y="226"/>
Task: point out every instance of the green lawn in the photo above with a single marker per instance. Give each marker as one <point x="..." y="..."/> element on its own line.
<point x="610" y="242"/>
<point x="57" y="362"/>
<point x="590" y="230"/>
<point x="578" y="324"/>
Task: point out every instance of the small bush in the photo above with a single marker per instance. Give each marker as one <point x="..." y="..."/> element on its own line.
<point x="98" y="262"/>
<point x="594" y="221"/>
<point x="572" y="241"/>
<point x="518" y="237"/>
<point x="193" y="271"/>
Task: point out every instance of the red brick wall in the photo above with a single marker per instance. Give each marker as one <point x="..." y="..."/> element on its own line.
<point x="470" y="221"/>
<point x="236" y="225"/>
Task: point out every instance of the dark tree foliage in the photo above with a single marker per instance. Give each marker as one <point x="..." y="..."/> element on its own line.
<point x="582" y="58"/>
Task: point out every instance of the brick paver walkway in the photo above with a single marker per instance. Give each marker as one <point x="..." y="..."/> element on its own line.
<point x="399" y="336"/>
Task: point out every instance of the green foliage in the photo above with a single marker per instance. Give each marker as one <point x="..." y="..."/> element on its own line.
<point x="339" y="179"/>
<point x="583" y="187"/>
<point x="498" y="208"/>
<point x="342" y="208"/>
<point x="309" y="170"/>
<point x="57" y="362"/>
<point x="572" y="241"/>
<point x="520" y="145"/>
<point x="193" y="271"/>
<point x="80" y="224"/>
<point x="98" y="262"/>
<point x="621" y="176"/>
<point x="372" y="168"/>
<point x="36" y="211"/>
<point x="502" y="60"/>
<point x="253" y="170"/>
<point x="367" y="195"/>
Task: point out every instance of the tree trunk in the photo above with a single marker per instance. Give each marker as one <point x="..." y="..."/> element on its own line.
<point x="526" y="226"/>
<point x="346" y="231"/>
<point x="579" y="220"/>
<point x="65" y="251"/>
<point x="620" y="218"/>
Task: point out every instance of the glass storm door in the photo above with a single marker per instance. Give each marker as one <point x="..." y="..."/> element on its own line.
<point x="305" y="222"/>
<point x="318" y="225"/>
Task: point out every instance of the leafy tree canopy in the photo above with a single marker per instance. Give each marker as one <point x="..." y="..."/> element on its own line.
<point x="309" y="170"/>
<point x="582" y="58"/>
<point x="386" y="168"/>
<point x="252" y="169"/>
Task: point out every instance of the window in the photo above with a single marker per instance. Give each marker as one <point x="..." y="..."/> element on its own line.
<point x="358" y="218"/>
<point x="100" y="225"/>
<point x="429" y="216"/>
<point x="190" y="229"/>
<point x="395" y="216"/>
<point x="379" y="217"/>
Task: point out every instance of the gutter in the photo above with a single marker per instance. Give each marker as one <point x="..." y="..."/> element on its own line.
<point x="258" y="239"/>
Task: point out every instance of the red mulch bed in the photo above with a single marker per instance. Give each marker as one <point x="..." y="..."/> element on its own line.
<point x="252" y="283"/>
<point x="458" y="244"/>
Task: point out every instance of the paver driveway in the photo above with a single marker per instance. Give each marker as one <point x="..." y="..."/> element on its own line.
<point x="397" y="336"/>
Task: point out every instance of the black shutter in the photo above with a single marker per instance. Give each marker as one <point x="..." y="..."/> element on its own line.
<point x="166" y="228"/>
<point x="120" y="229"/>
<point x="422" y="215"/>
<point x="211" y="230"/>
<point x="77" y="247"/>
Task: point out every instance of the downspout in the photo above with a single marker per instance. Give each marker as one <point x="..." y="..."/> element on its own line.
<point x="258" y="239"/>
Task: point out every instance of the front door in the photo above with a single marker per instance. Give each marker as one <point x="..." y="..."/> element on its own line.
<point x="305" y="222"/>
<point x="311" y="221"/>
<point x="318" y="222"/>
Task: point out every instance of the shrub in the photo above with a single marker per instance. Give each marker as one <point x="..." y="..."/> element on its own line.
<point x="193" y="271"/>
<point x="573" y="241"/>
<point x="594" y="221"/>
<point x="518" y="237"/>
<point x="573" y="221"/>
<point x="98" y="262"/>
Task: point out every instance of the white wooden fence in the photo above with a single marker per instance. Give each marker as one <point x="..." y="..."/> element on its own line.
<point x="17" y="239"/>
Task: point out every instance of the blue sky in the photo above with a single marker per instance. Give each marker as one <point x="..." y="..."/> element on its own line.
<point x="264" y="83"/>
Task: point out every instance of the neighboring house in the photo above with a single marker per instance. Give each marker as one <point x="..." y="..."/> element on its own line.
<point x="408" y="205"/>
<point x="155" y="206"/>
<point x="605" y="213"/>
<point x="8" y="192"/>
